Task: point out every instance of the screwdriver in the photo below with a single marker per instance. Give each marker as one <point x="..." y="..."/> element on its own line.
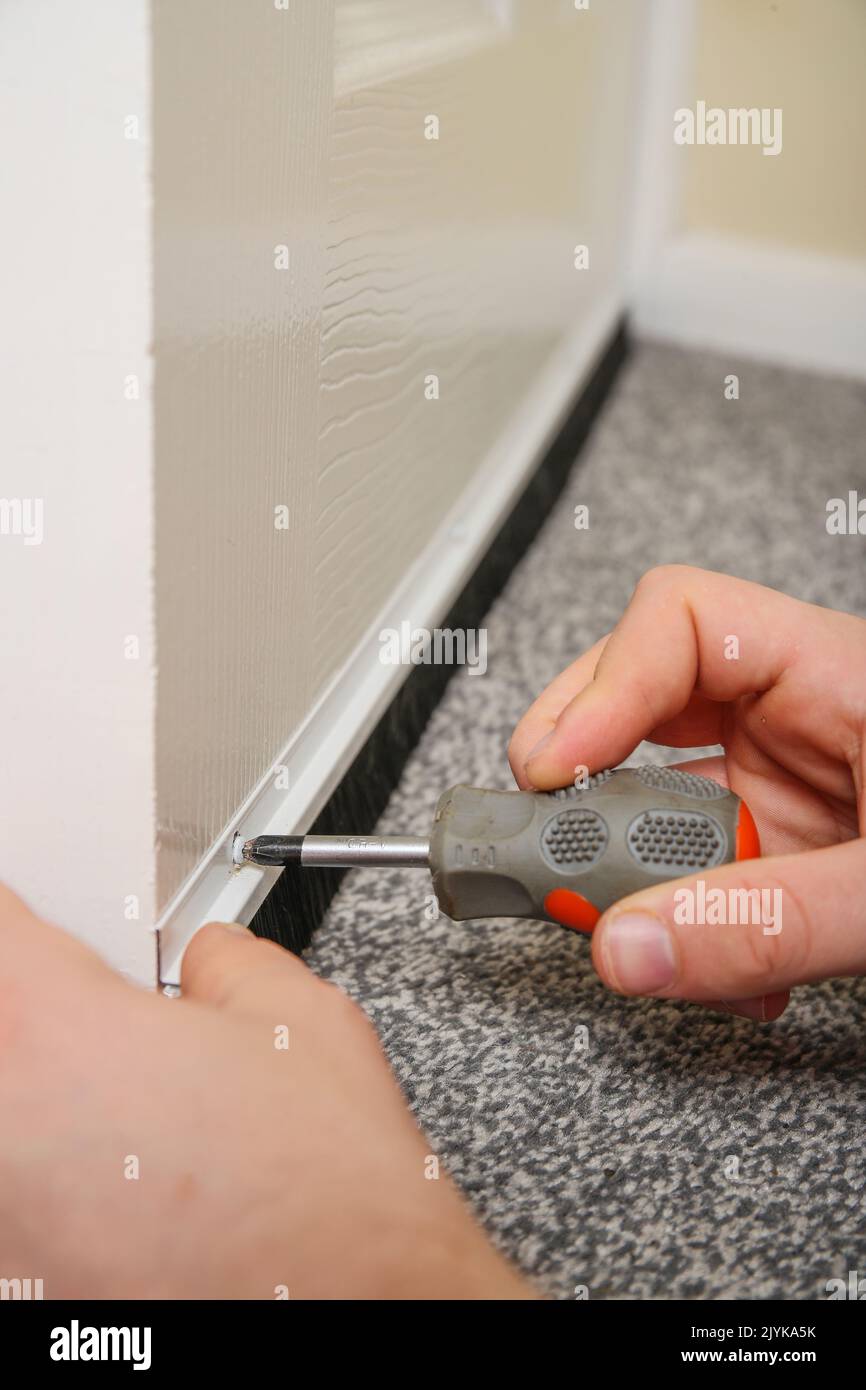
<point x="561" y="856"/>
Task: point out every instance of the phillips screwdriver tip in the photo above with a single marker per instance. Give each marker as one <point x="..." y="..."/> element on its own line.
<point x="277" y="850"/>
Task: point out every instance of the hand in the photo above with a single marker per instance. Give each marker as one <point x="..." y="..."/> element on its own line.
<point x="787" y="700"/>
<point x="259" y="1168"/>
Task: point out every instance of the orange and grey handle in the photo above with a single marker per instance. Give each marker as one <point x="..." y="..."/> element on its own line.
<point x="560" y="856"/>
<point x="566" y="856"/>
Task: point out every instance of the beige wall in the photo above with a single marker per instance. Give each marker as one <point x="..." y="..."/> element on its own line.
<point x="305" y="387"/>
<point x="809" y="58"/>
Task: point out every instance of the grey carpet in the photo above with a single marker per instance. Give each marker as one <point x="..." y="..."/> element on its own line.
<point x="610" y="1167"/>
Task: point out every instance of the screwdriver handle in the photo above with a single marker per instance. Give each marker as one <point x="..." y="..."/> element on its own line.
<point x="565" y="856"/>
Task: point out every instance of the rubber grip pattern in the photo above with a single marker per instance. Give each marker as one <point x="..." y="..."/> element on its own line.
<point x="663" y="839"/>
<point x="574" y="837"/>
<point x="672" y="779"/>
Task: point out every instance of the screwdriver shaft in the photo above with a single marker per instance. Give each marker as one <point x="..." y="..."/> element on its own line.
<point x="338" y="851"/>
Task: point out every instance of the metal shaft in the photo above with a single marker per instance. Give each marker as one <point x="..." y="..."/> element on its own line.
<point x="336" y="851"/>
<point x="350" y="851"/>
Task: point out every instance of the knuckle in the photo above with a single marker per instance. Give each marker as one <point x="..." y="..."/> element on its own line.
<point x="663" y="578"/>
<point x="772" y="956"/>
<point x="799" y="951"/>
<point x="760" y="959"/>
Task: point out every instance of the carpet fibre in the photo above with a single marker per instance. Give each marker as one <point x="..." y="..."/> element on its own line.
<point x="621" y="1148"/>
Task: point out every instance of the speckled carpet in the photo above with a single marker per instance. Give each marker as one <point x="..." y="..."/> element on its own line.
<point x="603" y="1159"/>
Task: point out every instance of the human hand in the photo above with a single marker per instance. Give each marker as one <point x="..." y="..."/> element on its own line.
<point x="176" y="1149"/>
<point x="789" y="709"/>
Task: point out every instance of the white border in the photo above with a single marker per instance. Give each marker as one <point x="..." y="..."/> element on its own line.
<point x="797" y="309"/>
<point x="336" y="729"/>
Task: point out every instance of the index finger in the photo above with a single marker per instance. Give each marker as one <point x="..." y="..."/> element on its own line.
<point x="543" y="713"/>
<point x="671" y="649"/>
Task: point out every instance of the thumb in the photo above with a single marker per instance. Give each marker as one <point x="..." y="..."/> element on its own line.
<point x="228" y="967"/>
<point x="742" y="931"/>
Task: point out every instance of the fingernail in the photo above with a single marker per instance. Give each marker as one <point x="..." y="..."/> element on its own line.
<point x="746" y="1008"/>
<point x="638" y="953"/>
<point x="236" y="928"/>
<point x="766" y="1008"/>
<point x="539" y="747"/>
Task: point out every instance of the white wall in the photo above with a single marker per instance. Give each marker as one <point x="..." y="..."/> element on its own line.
<point x="76" y="838"/>
<point x="261" y="127"/>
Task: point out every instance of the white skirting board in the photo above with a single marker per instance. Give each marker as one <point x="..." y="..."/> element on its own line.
<point x="324" y="747"/>
<point x="760" y="301"/>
